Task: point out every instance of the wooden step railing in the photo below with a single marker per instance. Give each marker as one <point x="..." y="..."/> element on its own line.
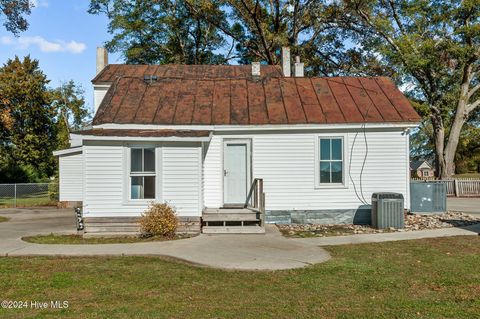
<point x="256" y="199"/>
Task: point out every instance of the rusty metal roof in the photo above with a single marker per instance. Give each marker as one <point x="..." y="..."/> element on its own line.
<point x="249" y="101"/>
<point x="113" y="72"/>
<point x="143" y="133"/>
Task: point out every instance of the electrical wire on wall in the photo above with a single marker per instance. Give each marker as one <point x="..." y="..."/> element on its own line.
<point x="360" y="197"/>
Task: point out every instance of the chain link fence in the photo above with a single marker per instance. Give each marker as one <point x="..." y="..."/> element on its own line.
<point x="26" y="195"/>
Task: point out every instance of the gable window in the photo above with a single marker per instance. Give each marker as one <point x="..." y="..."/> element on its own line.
<point x="425" y="173"/>
<point x="142" y="173"/>
<point x="331" y="161"/>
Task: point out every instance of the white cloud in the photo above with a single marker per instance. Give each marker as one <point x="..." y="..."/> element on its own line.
<point x="45" y="45"/>
<point x="76" y="47"/>
<point x="6" y="40"/>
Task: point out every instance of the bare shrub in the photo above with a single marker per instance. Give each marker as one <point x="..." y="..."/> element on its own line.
<point x="160" y="219"/>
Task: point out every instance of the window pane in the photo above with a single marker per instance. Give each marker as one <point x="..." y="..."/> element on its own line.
<point x="136" y="160"/>
<point x="337" y="174"/>
<point x="149" y="187"/>
<point x="324" y="172"/>
<point x="149" y="160"/>
<point x="136" y="187"/>
<point x="336" y="149"/>
<point x="324" y="149"/>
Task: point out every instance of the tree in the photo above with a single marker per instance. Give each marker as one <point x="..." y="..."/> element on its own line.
<point x="14" y="12"/>
<point x="35" y="120"/>
<point x="27" y="132"/>
<point x="433" y="45"/>
<point x="161" y="31"/>
<point x="72" y="114"/>
<point x="259" y="28"/>
<point x="222" y="31"/>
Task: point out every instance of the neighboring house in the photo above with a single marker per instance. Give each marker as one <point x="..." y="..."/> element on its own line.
<point x="198" y="136"/>
<point x="422" y="169"/>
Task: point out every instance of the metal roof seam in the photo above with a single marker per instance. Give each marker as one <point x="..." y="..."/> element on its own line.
<point x="373" y="102"/>
<point x="391" y="102"/>
<point x="336" y="101"/>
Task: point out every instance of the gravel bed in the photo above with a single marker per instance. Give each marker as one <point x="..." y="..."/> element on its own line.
<point x="412" y="222"/>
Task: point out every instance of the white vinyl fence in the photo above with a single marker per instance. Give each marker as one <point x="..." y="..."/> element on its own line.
<point x="457" y="187"/>
<point x="27" y="194"/>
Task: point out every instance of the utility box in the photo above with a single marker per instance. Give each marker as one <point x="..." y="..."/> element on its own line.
<point x="428" y="197"/>
<point x="387" y="210"/>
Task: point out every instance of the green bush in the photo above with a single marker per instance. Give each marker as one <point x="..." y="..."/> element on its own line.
<point x="159" y="220"/>
<point x="53" y="190"/>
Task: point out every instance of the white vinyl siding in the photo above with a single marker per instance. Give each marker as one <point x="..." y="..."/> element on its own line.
<point x="213" y="173"/>
<point x="286" y="164"/>
<point x="181" y="178"/>
<point x="99" y="92"/>
<point x="106" y="176"/>
<point x="71" y="177"/>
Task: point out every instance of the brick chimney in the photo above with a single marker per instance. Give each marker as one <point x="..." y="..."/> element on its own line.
<point x="298" y="67"/>
<point x="286" y="63"/>
<point x="255" y="69"/>
<point x="102" y="59"/>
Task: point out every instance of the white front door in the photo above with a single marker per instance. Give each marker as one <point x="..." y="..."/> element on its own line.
<point x="236" y="171"/>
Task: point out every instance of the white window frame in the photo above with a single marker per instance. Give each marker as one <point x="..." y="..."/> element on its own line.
<point x="345" y="158"/>
<point x="127" y="198"/>
<point x="425" y="173"/>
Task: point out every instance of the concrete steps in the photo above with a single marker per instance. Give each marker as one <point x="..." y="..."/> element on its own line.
<point x="233" y="230"/>
<point x="231" y="221"/>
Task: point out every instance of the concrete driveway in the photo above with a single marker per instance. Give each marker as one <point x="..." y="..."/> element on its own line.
<point x="270" y="251"/>
<point x="33" y="221"/>
<point x="467" y="205"/>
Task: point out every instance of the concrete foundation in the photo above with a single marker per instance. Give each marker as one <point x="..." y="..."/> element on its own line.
<point x="67" y="204"/>
<point x="360" y="216"/>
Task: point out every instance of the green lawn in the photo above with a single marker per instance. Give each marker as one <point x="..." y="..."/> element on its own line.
<point x="31" y="201"/>
<point x="3" y="219"/>
<point x="433" y="278"/>
<point x="468" y="175"/>
<point x="79" y="240"/>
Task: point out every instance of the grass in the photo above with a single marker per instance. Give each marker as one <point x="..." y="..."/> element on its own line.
<point x="4" y="219"/>
<point x="31" y="201"/>
<point x="468" y="175"/>
<point x="430" y="278"/>
<point x="79" y="240"/>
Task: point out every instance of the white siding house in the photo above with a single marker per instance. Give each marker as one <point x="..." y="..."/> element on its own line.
<point x="287" y="164"/>
<point x="197" y="137"/>
<point x="178" y="179"/>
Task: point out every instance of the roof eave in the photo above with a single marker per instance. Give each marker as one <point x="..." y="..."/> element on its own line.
<point x="68" y="151"/>
<point x="146" y="138"/>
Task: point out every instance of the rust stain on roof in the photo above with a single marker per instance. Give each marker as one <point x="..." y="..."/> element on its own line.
<point x="114" y="71"/>
<point x="142" y="133"/>
<point x="223" y="95"/>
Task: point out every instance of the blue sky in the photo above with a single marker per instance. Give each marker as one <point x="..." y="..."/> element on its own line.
<point x="63" y="37"/>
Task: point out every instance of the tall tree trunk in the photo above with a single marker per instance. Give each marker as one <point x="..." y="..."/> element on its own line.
<point x="452" y="144"/>
<point x="439" y="137"/>
<point x="461" y="116"/>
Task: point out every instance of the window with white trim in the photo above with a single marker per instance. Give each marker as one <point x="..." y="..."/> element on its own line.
<point x="425" y="173"/>
<point x="142" y="173"/>
<point x="331" y="161"/>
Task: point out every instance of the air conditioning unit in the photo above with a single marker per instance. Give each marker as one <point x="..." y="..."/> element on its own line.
<point x="387" y="210"/>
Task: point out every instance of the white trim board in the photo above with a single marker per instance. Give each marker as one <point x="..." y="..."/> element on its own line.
<point x="143" y="139"/>
<point x="68" y="151"/>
